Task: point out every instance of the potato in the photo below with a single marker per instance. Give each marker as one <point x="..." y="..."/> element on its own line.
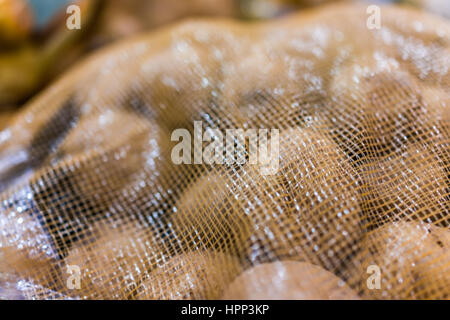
<point x="323" y="214"/>
<point x="239" y="213"/>
<point x="195" y="275"/>
<point x="115" y="142"/>
<point x="112" y="264"/>
<point x="437" y="102"/>
<point x="410" y="183"/>
<point x="440" y="7"/>
<point x="38" y="268"/>
<point x="163" y="12"/>
<point x="262" y="89"/>
<point x="288" y="280"/>
<point x="276" y="237"/>
<point x="218" y="211"/>
<point x="109" y="160"/>
<point x="308" y="210"/>
<point x="414" y="261"/>
<point x="252" y="85"/>
<point x="172" y="83"/>
<point x="377" y="107"/>
<point x="180" y="84"/>
<point x="227" y="210"/>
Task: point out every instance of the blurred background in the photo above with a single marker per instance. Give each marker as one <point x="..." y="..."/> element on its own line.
<point x="36" y="46"/>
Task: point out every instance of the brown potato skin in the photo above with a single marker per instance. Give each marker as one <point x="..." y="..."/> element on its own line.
<point x="263" y="218"/>
<point x="409" y="184"/>
<point x="114" y="262"/>
<point x="288" y="280"/>
<point x="193" y="275"/>
<point x="414" y="261"/>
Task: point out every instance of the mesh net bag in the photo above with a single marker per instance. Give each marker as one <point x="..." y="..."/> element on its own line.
<point x="87" y="178"/>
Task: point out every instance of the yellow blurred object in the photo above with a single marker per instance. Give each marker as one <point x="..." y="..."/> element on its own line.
<point x="16" y="21"/>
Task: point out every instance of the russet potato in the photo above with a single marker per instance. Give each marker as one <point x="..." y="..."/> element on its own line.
<point x="218" y="211"/>
<point x="193" y="275"/>
<point x="322" y="216"/>
<point x="288" y="280"/>
<point x="114" y="261"/>
<point x="411" y="183"/>
<point x="413" y="259"/>
<point x="307" y="210"/>
<point x="377" y="106"/>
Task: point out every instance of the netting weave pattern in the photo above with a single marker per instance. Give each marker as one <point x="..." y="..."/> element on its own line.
<point x="87" y="179"/>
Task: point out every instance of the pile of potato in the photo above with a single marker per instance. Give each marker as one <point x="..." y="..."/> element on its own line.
<point x="363" y="175"/>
